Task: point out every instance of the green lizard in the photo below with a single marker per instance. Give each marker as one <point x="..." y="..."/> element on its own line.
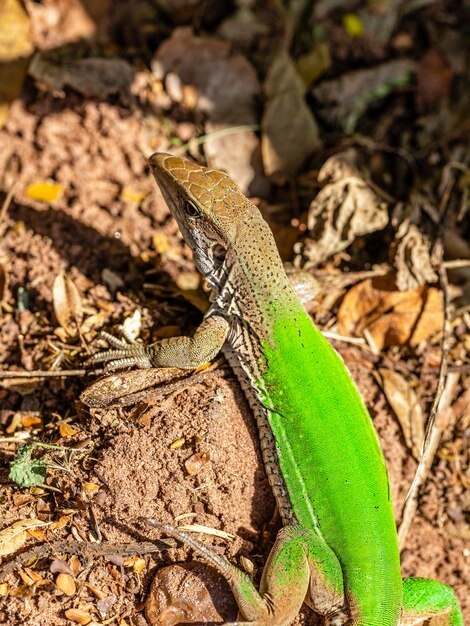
<point x="338" y="549"/>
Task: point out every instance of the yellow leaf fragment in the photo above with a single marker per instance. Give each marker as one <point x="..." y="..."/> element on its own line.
<point x="353" y="25"/>
<point x="90" y="488"/>
<point x="67" y="431"/>
<point x="46" y="191"/>
<point x="14" y="536"/>
<point x="160" y="242"/>
<point x="131" y="195"/>
<point x="136" y="562"/>
<point x="4" y="588"/>
<point x="139" y="566"/>
<point x="37" y="533"/>
<point x="66" y="584"/>
<point x="179" y="443"/>
<point x="31" y="420"/>
<point x="203" y="367"/>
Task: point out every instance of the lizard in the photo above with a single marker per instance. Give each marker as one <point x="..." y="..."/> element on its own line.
<point x="338" y="549"/>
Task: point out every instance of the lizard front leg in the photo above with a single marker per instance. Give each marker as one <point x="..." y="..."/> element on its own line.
<point x="181" y="352"/>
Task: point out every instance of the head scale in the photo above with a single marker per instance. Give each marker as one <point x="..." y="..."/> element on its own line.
<point x="207" y="205"/>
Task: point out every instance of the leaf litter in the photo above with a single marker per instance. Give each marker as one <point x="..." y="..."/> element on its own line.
<point x="366" y="209"/>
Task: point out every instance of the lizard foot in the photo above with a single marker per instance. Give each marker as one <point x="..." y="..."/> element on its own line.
<point x="285" y="581"/>
<point x="126" y="352"/>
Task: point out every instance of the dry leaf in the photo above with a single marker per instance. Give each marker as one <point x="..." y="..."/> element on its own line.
<point x="160" y="242"/>
<point x="345" y="99"/>
<point x="406" y="407"/>
<point x="344" y="209"/>
<point x="412" y="258"/>
<point x="111" y="279"/>
<point x="393" y="318"/>
<point x="224" y="87"/>
<point x="14" y="536"/>
<point x="106" y="604"/>
<point x="60" y="523"/>
<point x="434" y="80"/>
<point x="35" y="576"/>
<point x="78" y="615"/>
<point x="92" y="77"/>
<point x="96" y="591"/>
<point x="4" y="588"/>
<point x="15" y="48"/>
<point x="132" y="325"/>
<point x="66" y="583"/>
<point x="58" y="566"/>
<point x="67" y="304"/>
<point x="289" y="130"/>
<point x="26" y="578"/>
<point x="196" y="462"/>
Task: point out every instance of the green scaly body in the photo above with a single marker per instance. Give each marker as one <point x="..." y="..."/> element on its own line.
<point x="338" y="550"/>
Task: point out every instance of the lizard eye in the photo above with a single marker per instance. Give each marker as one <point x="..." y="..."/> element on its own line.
<point x="218" y="253"/>
<point x="191" y="209"/>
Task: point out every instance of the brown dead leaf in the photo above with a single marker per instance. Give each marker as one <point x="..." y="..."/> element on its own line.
<point x="434" y="80"/>
<point x="225" y="90"/>
<point x="196" y="462"/>
<point x="26" y="578"/>
<point x="289" y="130"/>
<point x="66" y="583"/>
<point x="345" y="99"/>
<point x="393" y="318"/>
<point x="412" y="258"/>
<point x="67" y="304"/>
<point x="92" y="77"/>
<point x="80" y="616"/>
<point x="14" y="536"/>
<point x="406" y="407"/>
<point x="344" y="209"/>
<point x="60" y="523"/>
<point x="58" y="566"/>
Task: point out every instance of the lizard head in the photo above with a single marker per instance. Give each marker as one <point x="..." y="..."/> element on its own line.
<point x="207" y="205"/>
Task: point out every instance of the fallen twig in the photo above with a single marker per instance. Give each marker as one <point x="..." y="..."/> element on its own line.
<point x="444" y="392"/>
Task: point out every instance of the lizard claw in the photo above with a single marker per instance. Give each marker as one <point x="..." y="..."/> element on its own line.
<point x="126" y="353"/>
